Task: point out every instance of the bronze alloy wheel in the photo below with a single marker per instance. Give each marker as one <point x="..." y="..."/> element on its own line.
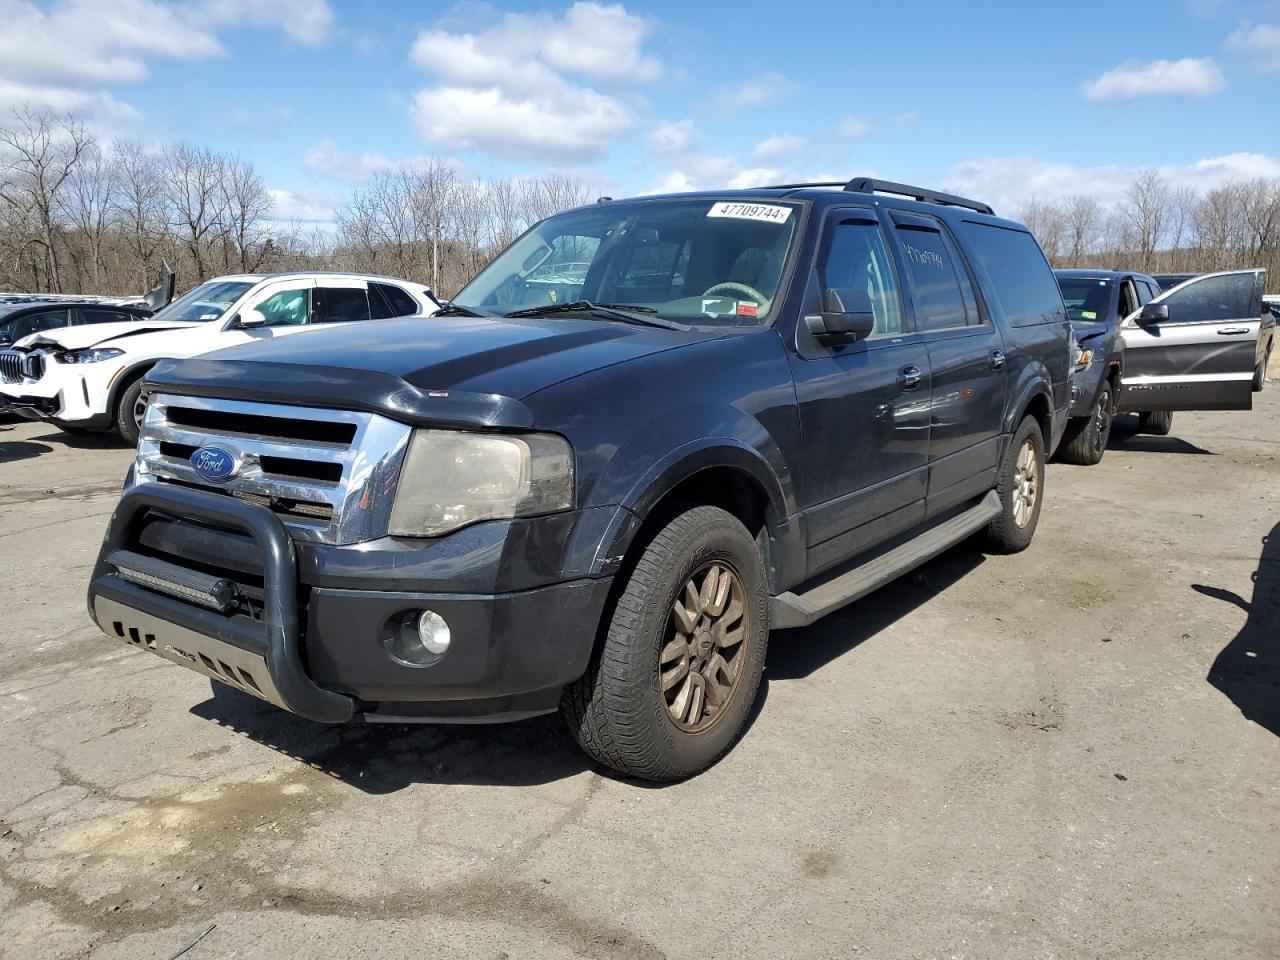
<point x="1026" y="484"/>
<point x="702" y="659"/>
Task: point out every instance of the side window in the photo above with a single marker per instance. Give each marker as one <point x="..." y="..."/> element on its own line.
<point x="935" y="284"/>
<point x="36" y="322"/>
<point x="1019" y="273"/>
<point x="857" y="261"/>
<point x="106" y="316"/>
<point x="1145" y="292"/>
<point x="399" y="302"/>
<point x="1213" y="299"/>
<point x="345" y="304"/>
<point x="288" y="308"/>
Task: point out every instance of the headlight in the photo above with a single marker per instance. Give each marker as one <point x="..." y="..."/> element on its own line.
<point x="88" y="355"/>
<point x="1083" y="357"/>
<point x="451" y="479"/>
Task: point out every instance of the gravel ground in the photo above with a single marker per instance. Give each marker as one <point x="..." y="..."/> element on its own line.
<point x="1068" y="753"/>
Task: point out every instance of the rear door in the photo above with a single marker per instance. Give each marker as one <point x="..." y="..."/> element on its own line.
<point x="966" y="362"/>
<point x="1202" y="357"/>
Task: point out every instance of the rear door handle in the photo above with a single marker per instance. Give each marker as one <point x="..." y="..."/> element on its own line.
<point x="997" y="359"/>
<point x="1232" y="331"/>
<point x="909" y="377"/>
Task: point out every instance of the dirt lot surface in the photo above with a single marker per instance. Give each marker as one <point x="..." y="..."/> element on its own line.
<point x="1069" y="753"/>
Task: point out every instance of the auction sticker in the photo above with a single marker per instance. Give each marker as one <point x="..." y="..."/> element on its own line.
<point x="764" y="212"/>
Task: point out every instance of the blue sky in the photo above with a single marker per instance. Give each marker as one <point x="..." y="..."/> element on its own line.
<point x="1009" y="102"/>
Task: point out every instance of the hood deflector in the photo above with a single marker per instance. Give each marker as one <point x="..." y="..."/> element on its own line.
<point x="338" y="388"/>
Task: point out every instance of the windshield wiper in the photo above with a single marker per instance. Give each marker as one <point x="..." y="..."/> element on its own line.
<point x="627" y="313"/>
<point x="451" y="309"/>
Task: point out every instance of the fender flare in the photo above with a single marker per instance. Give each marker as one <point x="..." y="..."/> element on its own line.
<point x="127" y="376"/>
<point x="1025" y="393"/>
<point x="664" y="476"/>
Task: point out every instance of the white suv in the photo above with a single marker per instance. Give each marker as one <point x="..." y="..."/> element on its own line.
<point x="90" y="377"/>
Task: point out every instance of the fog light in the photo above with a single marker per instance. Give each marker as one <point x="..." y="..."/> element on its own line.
<point x="433" y="632"/>
<point x="416" y="637"/>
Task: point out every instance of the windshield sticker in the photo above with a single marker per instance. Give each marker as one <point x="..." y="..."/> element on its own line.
<point x="1088" y="315"/>
<point x="763" y="212"/>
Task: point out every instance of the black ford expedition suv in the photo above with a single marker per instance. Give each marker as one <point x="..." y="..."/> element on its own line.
<point x="648" y="433"/>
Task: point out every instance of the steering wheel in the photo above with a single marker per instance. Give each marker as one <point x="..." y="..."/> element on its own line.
<point x="731" y="286"/>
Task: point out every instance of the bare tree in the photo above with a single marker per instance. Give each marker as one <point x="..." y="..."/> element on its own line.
<point x="1146" y="207"/>
<point x="1083" y="220"/>
<point x="41" y="151"/>
<point x="193" y="177"/>
<point x="87" y="203"/>
<point x="246" y="205"/>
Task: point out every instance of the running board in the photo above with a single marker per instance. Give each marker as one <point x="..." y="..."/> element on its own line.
<point x="801" y="609"/>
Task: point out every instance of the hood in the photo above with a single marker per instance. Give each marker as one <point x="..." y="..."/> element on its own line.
<point x="512" y="357"/>
<point x="96" y="334"/>
<point x="1089" y="329"/>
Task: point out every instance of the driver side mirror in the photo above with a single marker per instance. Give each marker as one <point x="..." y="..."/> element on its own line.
<point x="250" y="318"/>
<point x="846" y="316"/>
<point x="1153" y="313"/>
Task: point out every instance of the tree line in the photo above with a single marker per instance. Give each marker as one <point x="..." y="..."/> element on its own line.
<point x="81" y="216"/>
<point x="1160" y="227"/>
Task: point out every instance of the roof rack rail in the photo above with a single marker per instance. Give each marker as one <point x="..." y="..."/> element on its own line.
<point x="870" y="185"/>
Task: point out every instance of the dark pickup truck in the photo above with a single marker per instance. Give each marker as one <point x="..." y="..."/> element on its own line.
<point x="647" y="434"/>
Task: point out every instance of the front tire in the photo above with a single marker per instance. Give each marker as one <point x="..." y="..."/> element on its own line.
<point x="129" y="411"/>
<point x="1156" y="422"/>
<point x="1021" y="489"/>
<point x="682" y="655"/>
<point x="1086" y="439"/>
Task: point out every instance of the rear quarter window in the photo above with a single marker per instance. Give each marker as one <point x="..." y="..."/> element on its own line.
<point x="1021" y="277"/>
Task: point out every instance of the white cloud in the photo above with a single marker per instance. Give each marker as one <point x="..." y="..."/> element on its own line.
<point x="768" y="88"/>
<point x="672" y="137"/>
<point x="326" y="158"/>
<point x="854" y="127"/>
<point x="1259" y="45"/>
<point x="1007" y="183"/>
<point x="1136" y="79"/>
<point x="68" y="56"/>
<point x="779" y="146"/>
<point x="522" y="87"/>
<point x="310" y="207"/>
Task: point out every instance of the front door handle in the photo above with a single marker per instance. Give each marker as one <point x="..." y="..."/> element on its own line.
<point x="909" y="377"/>
<point x="1232" y="331"/>
<point x="997" y="359"/>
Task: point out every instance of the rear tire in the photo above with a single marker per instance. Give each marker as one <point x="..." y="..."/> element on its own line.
<point x="128" y="421"/>
<point x="1260" y="373"/>
<point x="647" y="705"/>
<point x="1086" y="439"/>
<point x="1021" y="489"/>
<point x="1156" y="422"/>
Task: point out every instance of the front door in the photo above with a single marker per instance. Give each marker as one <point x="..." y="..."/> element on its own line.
<point x="864" y="406"/>
<point x="1202" y="356"/>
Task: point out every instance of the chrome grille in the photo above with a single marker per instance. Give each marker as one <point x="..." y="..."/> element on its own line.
<point x="330" y="475"/>
<point x="11" y="366"/>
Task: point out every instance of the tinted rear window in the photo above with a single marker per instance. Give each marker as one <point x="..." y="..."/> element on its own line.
<point x="402" y="305"/>
<point x="1024" y="284"/>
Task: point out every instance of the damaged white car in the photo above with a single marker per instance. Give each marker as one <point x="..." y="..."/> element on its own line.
<point x="89" y="378"/>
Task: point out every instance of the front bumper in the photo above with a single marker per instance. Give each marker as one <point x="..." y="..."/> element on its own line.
<point x="317" y="651"/>
<point x="66" y="393"/>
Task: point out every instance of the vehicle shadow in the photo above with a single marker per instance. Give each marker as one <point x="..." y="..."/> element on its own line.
<point x="11" y="451"/>
<point x="382" y="759"/>
<point x="1125" y="436"/>
<point x="796" y="654"/>
<point x="1247" y="670"/>
<point x="82" y="441"/>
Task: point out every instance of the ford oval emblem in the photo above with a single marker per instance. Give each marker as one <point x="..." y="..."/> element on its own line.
<point x="215" y="463"/>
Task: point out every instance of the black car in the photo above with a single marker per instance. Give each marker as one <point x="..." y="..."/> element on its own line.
<point x="647" y="434"/>
<point x="1097" y="301"/>
<point x="21" y="316"/>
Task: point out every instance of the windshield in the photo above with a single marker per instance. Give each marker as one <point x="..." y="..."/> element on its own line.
<point x="700" y="262"/>
<point x="209" y="301"/>
<point x="1086" y="298"/>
